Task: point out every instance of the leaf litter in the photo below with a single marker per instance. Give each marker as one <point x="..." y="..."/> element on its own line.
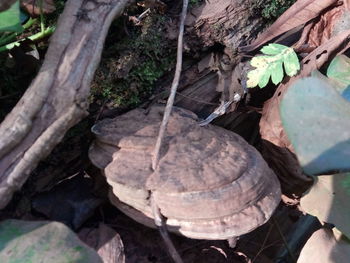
<point x="274" y="137"/>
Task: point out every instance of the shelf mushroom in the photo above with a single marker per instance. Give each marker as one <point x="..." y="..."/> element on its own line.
<point x="209" y="184"/>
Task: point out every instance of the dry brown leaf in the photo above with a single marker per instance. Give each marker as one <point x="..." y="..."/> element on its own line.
<point x="277" y="149"/>
<point x="33" y="6"/>
<point x="319" y="31"/>
<point x="298" y="14"/>
<point x="329" y="249"/>
<point x="106" y="242"/>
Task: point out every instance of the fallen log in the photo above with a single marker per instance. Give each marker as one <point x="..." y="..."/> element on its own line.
<point x="57" y="98"/>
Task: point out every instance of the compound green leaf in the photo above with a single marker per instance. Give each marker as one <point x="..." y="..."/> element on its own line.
<point x="254" y="77"/>
<point x="10" y="19"/>
<point x="260" y="61"/>
<point x="291" y="63"/>
<point x="24" y="241"/>
<point x="273" y="49"/>
<point x="316" y="119"/>
<point x="277" y="68"/>
<point x="265" y="77"/>
<point x="270" y="65"/>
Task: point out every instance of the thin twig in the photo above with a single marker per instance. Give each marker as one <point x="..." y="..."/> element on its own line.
<point x="197" y="100"/>
<point x="144" y="14"/>
<point x="284" y="240"/>
<point x="173" y="90"/>
<point x="159" y="221"/>
<point x="263" y="244"/>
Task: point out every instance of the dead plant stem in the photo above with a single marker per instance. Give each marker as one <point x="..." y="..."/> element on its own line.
<point x="173" y="90"/>
<point x="159" y="221"/>
<point x="291" y="254"/>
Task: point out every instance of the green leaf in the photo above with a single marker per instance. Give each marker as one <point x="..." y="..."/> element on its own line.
<point x="339" y="72"/>
<point x="334" y="193"/>
<point x="53" y="242"/>
<point x="291" y="63"/>
<point x="316" y="119"/>
<point x="277" y="68"/>
<point x="10" y="19"/>
<point x="271" y="65"/>
<point x="273" y="49"/>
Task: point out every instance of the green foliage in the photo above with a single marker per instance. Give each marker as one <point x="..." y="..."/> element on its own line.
<point x="13" y="31"/>
<point x="275" y="8"/>
<point x="10" y="19"/>
<point x="271" y="65"/>
<point x="316" y="119"/>
<point x="338" y="73"/>
<point x="315" y="113"/>
<point x="22" y="241"/>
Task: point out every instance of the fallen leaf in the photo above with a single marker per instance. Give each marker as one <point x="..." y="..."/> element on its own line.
<point x="317" y="121"/>
<point x="33" y="6"/>
<point x="106" y="242"/>
<point x="271" y="128"/>
<point x="339" y="72"/>
<point x="320" y="30"/>
<point x="334" y="191"/>
<point x="327" y="248"/>
<point x="75" y="206"/>
<point x="285" y="164"/>
<point x="298" y="14"/>
<point x="24" y="241"/>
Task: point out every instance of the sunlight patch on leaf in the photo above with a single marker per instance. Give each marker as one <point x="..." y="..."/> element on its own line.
<point x="271" y="65"/>
<point x="339" y="74"/>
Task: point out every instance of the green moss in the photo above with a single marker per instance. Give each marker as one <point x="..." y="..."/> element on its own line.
<point x="272" y="9"/>
<point x="193" y="3"/>
<point x="131" y="66"/>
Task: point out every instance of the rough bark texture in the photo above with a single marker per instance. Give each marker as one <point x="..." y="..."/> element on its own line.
<point x="57" y="98"/>
<point x="231" y="23"/>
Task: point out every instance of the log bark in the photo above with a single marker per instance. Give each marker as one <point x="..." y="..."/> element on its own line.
<point x="231" y="23"/>
<point x="57" y="97"/>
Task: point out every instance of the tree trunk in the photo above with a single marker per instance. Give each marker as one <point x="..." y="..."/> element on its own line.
<point x="57" y="98"/>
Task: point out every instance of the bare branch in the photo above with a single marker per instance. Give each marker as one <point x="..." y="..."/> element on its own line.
<point x="173" y="90"/>
<point x="159" y="222"/>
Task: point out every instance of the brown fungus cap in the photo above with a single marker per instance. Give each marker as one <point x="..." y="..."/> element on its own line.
<point x="209" y="184"/>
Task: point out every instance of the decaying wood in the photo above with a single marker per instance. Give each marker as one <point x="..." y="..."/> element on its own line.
<point x="57" y="98"/>
<point x="298" y="14"/>
<point x="231" y="23"/>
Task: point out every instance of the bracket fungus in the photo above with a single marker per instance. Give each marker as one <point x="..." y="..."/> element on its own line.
<point x="209" y="184"/>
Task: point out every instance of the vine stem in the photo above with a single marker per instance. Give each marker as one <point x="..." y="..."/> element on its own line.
<point x="159" y="222"/>
<point x="174" y="85"/>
